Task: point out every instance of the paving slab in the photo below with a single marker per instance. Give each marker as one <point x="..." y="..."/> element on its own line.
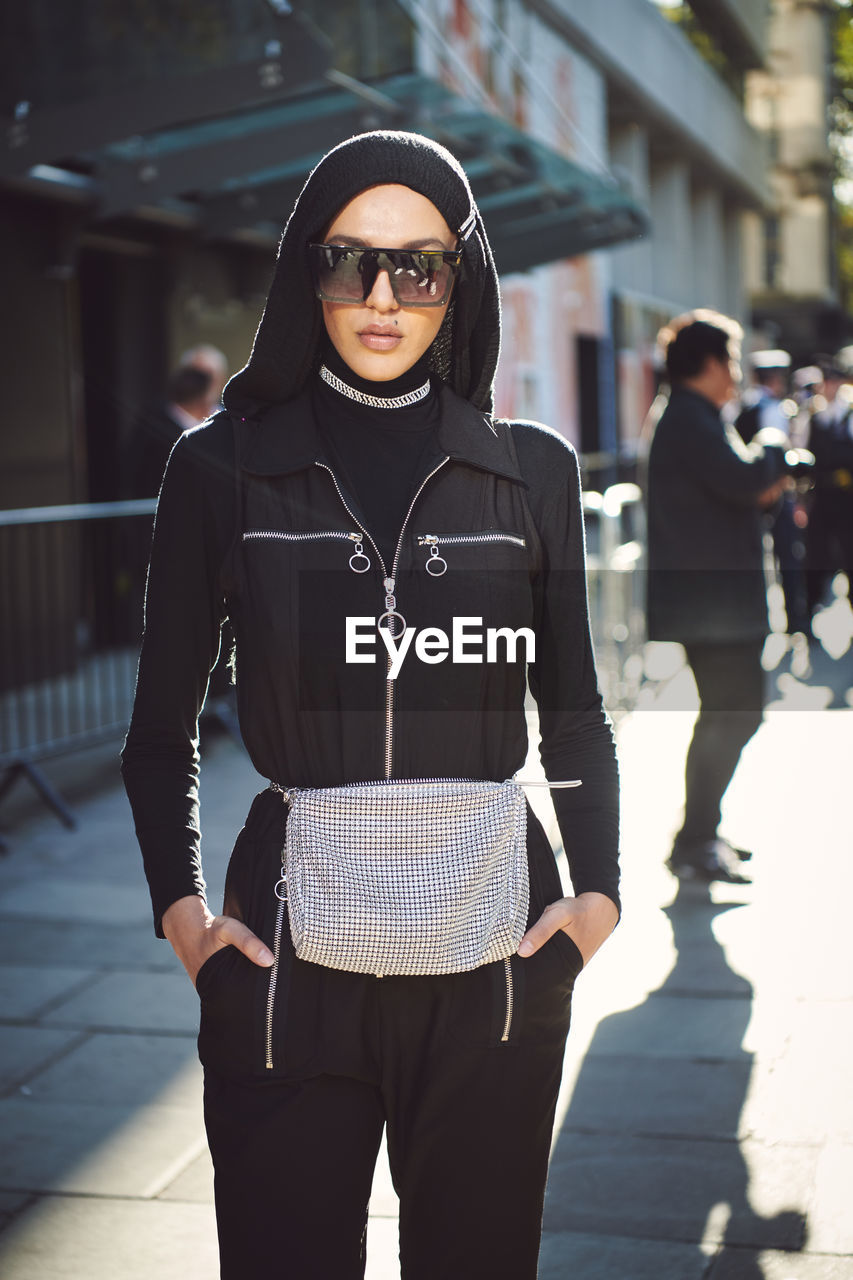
<point x="744" y="1264"/>
<point x="831" y="1223"/>
<point x="773" y="951"/>
<point x="83" y="944"/>
<point x="26" y="989"/>
<point x="121" y="1069"/>
<point x="801" y="1097"/>
<point x="581" y="1256"/>
<point x="627" y="1094"/>
<point x="674" y="1189"/>
<point x="383" y="1249"/>
<point x="67" y="1238"/>
<point x="24" y="1049"/>
<point x="822" y="1028"/>
<point x="677" y="1027"/>
<point x="701" y="969"/>
<point x="383" y="1198"/>
<point x="56" y="898"/>
<point x="194" y="1184"/>
<point x="11" y="1202"/>
<point x="95" y="1150"/>
<point x="128" y="1000"/>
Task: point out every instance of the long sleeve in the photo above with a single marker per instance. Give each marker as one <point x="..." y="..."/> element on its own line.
<point x="715" y="457"/>
<point x="577" y="737"/>
<point x="183" y="616"/>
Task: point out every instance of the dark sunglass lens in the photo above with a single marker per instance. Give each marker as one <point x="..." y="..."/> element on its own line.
<point x="337" y="273"/>
<point x="420" y="278"/>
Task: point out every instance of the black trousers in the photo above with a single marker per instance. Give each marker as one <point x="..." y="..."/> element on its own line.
<point x="462" y="1070"/>
<point x="829" y="545"/>
<point x="730" y="681"/>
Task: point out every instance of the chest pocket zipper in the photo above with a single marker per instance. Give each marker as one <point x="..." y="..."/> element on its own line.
<point x="436" y="565"/>
<point x="359" y="562"/>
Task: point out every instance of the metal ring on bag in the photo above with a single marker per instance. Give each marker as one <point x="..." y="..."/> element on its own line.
<point x="436" y="560"/>
<point x="282" y="882"/>
<point x="391" y="613"/>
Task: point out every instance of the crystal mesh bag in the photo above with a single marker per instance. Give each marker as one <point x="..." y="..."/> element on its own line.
<point x="406" y="877"/>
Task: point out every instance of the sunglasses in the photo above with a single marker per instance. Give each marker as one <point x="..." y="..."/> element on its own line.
<point x="419" y="277"/>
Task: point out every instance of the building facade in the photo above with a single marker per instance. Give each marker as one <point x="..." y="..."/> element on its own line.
<point x="628" y="166"/>
<point x="790" y="261"/>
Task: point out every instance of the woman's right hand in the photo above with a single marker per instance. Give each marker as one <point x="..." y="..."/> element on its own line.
<point x="195" y="934"/>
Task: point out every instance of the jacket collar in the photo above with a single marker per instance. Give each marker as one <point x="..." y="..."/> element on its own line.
<point x="284" y="438"/>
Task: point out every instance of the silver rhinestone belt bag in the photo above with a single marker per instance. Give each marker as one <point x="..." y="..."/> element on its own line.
<point x="422" y="876"/>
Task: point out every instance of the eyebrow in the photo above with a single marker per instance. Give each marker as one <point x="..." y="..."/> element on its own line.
<point x="357" y="243"/>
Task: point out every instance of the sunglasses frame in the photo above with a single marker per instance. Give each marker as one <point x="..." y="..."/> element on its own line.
<point x="451" y="258"/>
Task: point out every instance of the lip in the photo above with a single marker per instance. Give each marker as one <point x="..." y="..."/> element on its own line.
<point x="377" y="337"/>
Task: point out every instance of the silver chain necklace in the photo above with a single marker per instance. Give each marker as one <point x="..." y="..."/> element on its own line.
<point x="374" y="402"/>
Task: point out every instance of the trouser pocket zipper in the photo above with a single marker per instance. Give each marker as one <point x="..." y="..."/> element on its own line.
<point x="281" y="894"/>
<point x="510" y="1000"/>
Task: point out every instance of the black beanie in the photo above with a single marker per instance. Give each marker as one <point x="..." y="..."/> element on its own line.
<point x="291" y="335"/>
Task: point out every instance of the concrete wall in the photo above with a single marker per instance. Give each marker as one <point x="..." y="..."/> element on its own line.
<point x="739" y="26"/>
<point x="788" y="102"/>
<point x="649" y="61"/>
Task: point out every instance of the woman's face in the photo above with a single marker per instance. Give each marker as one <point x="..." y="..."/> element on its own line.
<point x="378" y="338"/>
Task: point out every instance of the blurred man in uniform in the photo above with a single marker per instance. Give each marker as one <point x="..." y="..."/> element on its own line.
<point x="764" y="404"/>
<point x="829" y="544"/>
<point x="706" y="492"/>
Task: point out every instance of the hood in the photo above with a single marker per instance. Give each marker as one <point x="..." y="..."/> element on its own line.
<point x="291" y="336"/>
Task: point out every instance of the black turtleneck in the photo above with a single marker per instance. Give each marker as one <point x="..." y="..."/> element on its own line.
<point x="378" y="454"/>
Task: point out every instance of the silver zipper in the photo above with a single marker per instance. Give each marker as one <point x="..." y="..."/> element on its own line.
<point x="390" y="600"/>
<point x="436" y="565"/>
<point x="510" y="1000"/>
<point x="442" y="539"/>
<point x="279" y="921"/>
<point x="299" y="536"/>
<point x="390" y="605"/>
<point x="280" y="535"/>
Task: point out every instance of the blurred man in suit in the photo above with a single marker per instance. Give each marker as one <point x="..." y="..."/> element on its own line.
<point x="706" y="491"/>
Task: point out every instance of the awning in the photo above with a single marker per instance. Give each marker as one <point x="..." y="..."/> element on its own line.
<point x="235" y="174"/>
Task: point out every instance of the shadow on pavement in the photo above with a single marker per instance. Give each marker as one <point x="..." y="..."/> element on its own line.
<point x="648" y="1174"/>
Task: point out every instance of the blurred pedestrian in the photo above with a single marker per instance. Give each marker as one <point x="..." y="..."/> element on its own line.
<point x="210" y="360"/>
<point x="187" y="404"/>
<point x="765" y="404"/>
<point x="829" y="543"/>
<point x="706" y="491"/>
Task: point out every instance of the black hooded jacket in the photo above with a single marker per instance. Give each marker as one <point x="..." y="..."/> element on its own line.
<point x="254" y="524"/>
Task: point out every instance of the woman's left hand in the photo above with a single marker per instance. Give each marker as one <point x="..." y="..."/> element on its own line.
<point x="589" y="919"/>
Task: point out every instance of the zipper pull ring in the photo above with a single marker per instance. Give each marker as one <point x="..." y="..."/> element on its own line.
<point x="390" y="610"/>
<point x="436" y="565"/>
<point x="358" y="554"/>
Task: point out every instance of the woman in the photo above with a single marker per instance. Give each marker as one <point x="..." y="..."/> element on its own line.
<point x="356" y="472"/>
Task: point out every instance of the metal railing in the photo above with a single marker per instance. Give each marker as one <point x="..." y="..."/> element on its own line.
<point x="71" y="598"/>
<point x="616" y="550"/>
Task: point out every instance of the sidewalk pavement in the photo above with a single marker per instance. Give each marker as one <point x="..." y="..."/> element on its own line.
<point x="705" y="1127"/>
